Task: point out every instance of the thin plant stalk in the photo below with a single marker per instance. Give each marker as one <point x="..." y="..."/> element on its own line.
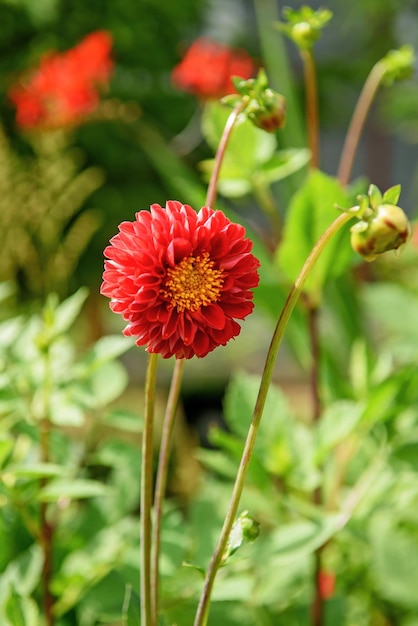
<point x="146" y="492"/>
<point x="358" y="120"/>
<point x="217" y="557"/>
<point x="230" y="123"/>
<point x="318" y="604"/>
<point x="161" y="480"/>
<point x="46" y="527"/>
<point x="312" y="121"/>
<point x="311" y="105"/>
<point x="46" y="531"/>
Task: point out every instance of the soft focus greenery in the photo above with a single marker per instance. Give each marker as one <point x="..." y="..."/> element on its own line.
<point x="67" y="374"/>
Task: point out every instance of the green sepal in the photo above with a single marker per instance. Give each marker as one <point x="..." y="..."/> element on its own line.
<point x="391" y="195"/>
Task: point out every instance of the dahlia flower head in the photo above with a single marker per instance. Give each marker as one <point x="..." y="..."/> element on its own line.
<point x="63" y="89"/>
<point x="207" y="68"/>
<point x="180" y="278"/>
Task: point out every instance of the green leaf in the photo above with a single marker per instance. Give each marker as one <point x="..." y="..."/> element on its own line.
<point x="293" y="540"/>
<point x="217" y="462"/>
<point x="391" y="195"/>
<point x="407" y="455"/>
<point x="337" y="423"/>
<point x="231" y="183"/>
<point x="395" y="560"/>
<point x="23" y="573"/>
<point x="67" y="312"/>
<point x="22" y="611"/>
<point x="105" y="349"/>
<point x="7" y="289"/>
<point x="283" y="164"/>
<point x="196" y="568"/>
<point x="6" y="446"/>
<point x="131" y="612"/>
<point x="10" y="331"/>
<point x="248" y="147"/>
<point x="239" y="402"/>
<point x="76" y="489"/>
<point x="37" y="470"/>
<point x="375" y="196"/>
<point x="311" y="211"/>
<point x="64" y="411"/>
<point x="108" y="383"/>
<point x="124" y="420"/>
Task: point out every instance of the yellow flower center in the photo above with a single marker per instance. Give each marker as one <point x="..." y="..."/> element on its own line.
<point x="193" y="283"/>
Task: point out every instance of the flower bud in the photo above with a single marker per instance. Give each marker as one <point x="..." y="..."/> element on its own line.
<point x="304" y="34"/>
<point x="303" y="26"/>
<point x="386" y="229"/>
<point x="268" y="113"/>
<point x="264" y="107"/>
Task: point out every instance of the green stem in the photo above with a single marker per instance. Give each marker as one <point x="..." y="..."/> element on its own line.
<point x="216" y="561"/>
<point x="318" y="604"/>
<point x="146" y="492"/>
<point x="46" y="531"/>
<point x="220" y="153"/>
<point x="46" y="527"/>
<point x="161" y="480"/>
<point x="311" y="105"/>
<point x="358" y="120"/>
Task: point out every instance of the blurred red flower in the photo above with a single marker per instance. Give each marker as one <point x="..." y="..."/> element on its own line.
<point x="207" y="67"/>
<point x="64" y="88"/>
<point x="326" y="582"/>
<point x="180" y="278"/>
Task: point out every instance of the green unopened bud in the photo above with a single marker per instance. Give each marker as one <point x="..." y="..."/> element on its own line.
<point x="304" y="35"/>
<point x="245" y="530"/>
<point x="264" y="107"/>
<point x="388" y="228"/>
<point x="398" y="64"/>
<point x="268" y="113"/>
<point x="304" y="25"/>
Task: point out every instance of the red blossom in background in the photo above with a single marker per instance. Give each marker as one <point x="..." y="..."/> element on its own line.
<point x="64" y="88"/>
<point x="207" y="68"/>
<point x="180" y="278"/>
<point x="326" y="582"/>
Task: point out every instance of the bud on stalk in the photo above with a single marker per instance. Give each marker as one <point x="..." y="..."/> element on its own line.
<point x="383" y="226"/>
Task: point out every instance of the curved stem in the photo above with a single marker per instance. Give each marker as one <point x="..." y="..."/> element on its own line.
<point x="146" y="492"/>
<point x="213" y="183"/>
<point x="216" y="561"/>
<point x="311" y="105"/>
<point x="358" y="120"/>
<point x="161" y="480"/>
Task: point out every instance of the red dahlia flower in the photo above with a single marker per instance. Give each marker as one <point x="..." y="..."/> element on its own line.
<point x="63" y="89"/>
<point x="207" y="68"/>
<point x="180" y="278"/>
